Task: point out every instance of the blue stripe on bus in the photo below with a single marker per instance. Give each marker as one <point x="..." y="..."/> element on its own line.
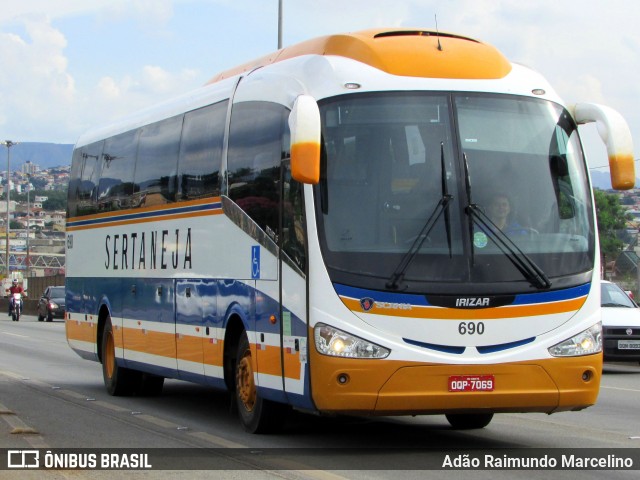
<point x="504" y="346"/>
<point x="421" y="300"/>
<point x="438" y="348"/>
<point x="146" y="214"/>
<point x="459" y="350"/>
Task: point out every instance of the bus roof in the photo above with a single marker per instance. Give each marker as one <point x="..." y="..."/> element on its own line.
<point x="405" y="52"/>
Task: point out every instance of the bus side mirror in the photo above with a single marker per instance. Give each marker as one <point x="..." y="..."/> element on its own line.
<point x="615" y="133"/>
<point x="304" y="124"/>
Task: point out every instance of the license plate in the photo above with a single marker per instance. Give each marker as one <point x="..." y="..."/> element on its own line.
<point x="629" y="344"/>
<point x="471" y="383"/>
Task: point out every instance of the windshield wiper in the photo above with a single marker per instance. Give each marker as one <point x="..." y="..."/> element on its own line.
<point x="616" y="305"/>
<point x="445" y="193"/>
<point x="529" y="269"/>
<point x="398" y="274"/>
<point x="521" y="260"/>
<point x="442" y="206"/>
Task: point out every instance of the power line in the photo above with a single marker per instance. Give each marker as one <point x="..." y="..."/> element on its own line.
<point x="607" y="166"/>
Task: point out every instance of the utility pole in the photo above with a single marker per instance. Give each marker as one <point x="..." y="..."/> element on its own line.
<point x="28" y="273"/>
<point x="279" y="24"/>
<point x="8" y="144"/>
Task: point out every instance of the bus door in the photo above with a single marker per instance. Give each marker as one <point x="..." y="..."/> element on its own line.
<point x="198" y="349"/>
<point x="293" y="291"/>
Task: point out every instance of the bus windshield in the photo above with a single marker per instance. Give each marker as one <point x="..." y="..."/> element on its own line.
<point x="510" y="168"/>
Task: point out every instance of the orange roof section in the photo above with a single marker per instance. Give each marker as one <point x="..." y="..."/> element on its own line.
<point x="404" y="52"/>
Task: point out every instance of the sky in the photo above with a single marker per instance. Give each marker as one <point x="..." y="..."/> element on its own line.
<point x="70" y="65"/>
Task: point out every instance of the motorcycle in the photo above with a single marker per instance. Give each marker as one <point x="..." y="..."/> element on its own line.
<point x="15" y="306"/>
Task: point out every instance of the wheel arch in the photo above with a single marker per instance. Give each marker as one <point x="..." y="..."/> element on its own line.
<point x="234" y="330"/>
<point x="103" y="314"/>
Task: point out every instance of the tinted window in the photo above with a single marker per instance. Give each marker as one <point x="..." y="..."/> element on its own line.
<point x="74" y="183"/>
<point x="293" y="220"/>
<point x="255" y="152"/>
<point x="85" y="173"/>
<point x="56" y="292"/>
<point x="201" y="152"/>
<point x="156" y="169"/>
<point x="116" y="182"/>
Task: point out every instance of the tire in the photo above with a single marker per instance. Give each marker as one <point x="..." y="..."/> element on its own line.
<point x="40" y="318"/>
<point x="50" y="317"/>
<point x="257" y="415"/>
<point x="119" y="381"/>
<point x="469" y="421"/>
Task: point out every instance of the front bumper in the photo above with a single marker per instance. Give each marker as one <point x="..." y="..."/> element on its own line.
<point x="380" y="387"/>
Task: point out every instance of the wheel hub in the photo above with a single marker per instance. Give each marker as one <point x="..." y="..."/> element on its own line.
<point x="245" y="384"/>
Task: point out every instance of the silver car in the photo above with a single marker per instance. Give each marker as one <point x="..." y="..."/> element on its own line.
<point x="620" y="325"/>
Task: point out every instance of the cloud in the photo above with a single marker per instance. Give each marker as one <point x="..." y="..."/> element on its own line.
<point x="40" y="99"/>
<point x="112" y="98"/>
<point x="36" y="87"/>
<point x="582" y="88"/>
<point x="108" y="88"/>
<point x="150" y="81"/>
<point x="115" y="9"/>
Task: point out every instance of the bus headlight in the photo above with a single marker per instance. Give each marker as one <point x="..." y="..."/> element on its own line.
<point x="585" y="343"/>
<point x="336" y="343"/>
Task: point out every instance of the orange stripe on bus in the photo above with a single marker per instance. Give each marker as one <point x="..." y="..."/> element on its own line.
<point x="185" y="347"/>
<point x="292" y="364"/>
<point x="213" y="350"/>
<point x="202" y="350"/>
<point x="438" y="313"/>
<point x="81" y="331"/>
<point x="158" y="208"/>
<point x="117" y="223"/>
<point x="268" y="359"/>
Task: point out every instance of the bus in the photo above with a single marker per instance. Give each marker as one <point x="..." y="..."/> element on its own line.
<point x="386" y="222"/>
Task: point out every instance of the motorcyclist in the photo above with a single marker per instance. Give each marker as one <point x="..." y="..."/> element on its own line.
<point x="14" y="288"/>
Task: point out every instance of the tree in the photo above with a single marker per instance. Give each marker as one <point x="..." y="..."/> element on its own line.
<point x="57" y="199"/>
<point x="611" y="221"/>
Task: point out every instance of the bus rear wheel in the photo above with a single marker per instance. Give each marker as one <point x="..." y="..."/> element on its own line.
<point x="119" y="381"/>
<point x="469" y="421"/>
<point x="257" y="415"/>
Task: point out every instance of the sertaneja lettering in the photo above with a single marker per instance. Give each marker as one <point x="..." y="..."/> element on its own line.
<point x="149" y="250"/>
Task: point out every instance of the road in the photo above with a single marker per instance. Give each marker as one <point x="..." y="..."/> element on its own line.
<point x="51" y="399"/>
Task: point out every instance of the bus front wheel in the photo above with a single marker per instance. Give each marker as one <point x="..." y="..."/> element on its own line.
<point x="257" y="415"/>
<point x="469" y="421"/>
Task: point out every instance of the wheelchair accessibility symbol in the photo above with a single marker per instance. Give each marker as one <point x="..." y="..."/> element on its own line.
<point x="255" y="262"/>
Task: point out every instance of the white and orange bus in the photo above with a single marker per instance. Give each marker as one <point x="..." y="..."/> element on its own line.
<point x="387" y="222"/>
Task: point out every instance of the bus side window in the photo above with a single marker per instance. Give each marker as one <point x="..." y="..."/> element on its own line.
<point x="75" y="181"/>
<point x="156" y="176"/>
<point x="116" y="181"/>
<point x="86" y="173"/>
<point x="255" y="153"/>
<point x="201" y="152"/>
<point x="293" y="219"/>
